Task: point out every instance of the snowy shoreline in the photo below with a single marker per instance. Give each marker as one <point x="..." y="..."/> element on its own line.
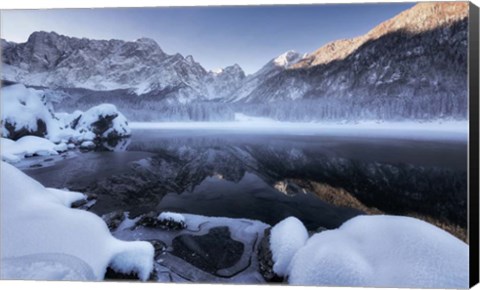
<point x="434" y="130"/>
<point x="43" y="238"/>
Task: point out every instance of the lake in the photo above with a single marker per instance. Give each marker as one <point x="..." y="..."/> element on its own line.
<point x="323" y="180"/>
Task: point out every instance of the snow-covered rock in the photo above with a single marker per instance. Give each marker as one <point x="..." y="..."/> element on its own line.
<point x="382" y="251"/>
<point x="172" y="216"/>
<point x="171" y="220"/>
<point x="104" y="121"/>
<point x="25" y="112"/>
<point x="164" y="220"/>
<point x="208" y="250"/>
<point x="286" y="238"/>
<point x="41" y="233"/>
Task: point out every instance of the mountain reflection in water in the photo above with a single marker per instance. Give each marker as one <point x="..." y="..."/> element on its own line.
<point x="323" y="180"/>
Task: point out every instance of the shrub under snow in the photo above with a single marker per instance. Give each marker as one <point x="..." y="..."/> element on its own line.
<point x="286" y="238"/>
<point x="382" y="251"/>
<point x="41" y="233"/>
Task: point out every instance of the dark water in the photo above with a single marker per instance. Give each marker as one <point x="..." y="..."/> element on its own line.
<point x="263" y="177"/>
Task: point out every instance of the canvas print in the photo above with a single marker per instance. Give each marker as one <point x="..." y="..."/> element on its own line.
<point x="322" y="145"/>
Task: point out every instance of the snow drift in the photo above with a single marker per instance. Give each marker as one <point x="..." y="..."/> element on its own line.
<point x="41" y="233"/>
<point x="14" y="151"/>
<point x="382" y="251"/>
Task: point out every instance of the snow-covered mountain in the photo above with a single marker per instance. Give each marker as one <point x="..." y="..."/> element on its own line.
<point x="58" y="61"/>
<point x="413" y="66"/>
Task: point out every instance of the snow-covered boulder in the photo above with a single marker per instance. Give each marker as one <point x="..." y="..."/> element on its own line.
<point x="41" y="233"/>
<point x="164" y="220"/>
<point x="172" y="221"/>
<point x="286" y="238"/>
<point x="104" y="121"/>
<point x="25" y="111"/>
<point x="278" y="246"/>
<point x="382" y="251"/>
<point x="14" y="151"/>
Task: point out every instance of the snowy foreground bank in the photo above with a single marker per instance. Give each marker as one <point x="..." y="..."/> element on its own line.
<point x="43" y="238"/>
<point x="436" y="130"/>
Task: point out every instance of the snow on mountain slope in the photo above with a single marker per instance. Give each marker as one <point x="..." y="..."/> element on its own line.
<point x="53" y="60"/>
<point x="268" y="71"/>
<point x="222" y="83"/>
<point x="413" y="66"/>
<point x="421" y="18"/>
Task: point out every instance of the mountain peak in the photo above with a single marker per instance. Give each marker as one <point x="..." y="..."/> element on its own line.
<point x="287" y="58"/>
<point x="147" y="41"/>
<point x="231" y="69"/>
<point x="190" y="59"/>
<point x="217" y="71"/>
<point x="36" y="35"/>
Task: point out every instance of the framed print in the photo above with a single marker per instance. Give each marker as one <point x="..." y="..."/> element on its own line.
<point x="305" y="144"/>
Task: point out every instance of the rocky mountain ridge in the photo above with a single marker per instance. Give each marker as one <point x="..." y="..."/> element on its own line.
<point x="420" y="18"/>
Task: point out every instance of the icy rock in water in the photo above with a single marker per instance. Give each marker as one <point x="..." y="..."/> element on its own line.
<point x="149" y="220"/>
<point x="159" y="246"/>
<point x="172" y="221"/>
<point x="165" y="221"/>
<point x="114" y="219"/>
<point x="178" y="268"/>
<point x="37" y="221"/>
<point x="286" y="238"/>
<point x="105" y="121"/>
<point x="25" y="112"/>
<point x="382" y="251"/>
<point x="211" y="252"/>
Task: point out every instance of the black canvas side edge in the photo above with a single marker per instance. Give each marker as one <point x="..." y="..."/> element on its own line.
<point x="473" y="73"/>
